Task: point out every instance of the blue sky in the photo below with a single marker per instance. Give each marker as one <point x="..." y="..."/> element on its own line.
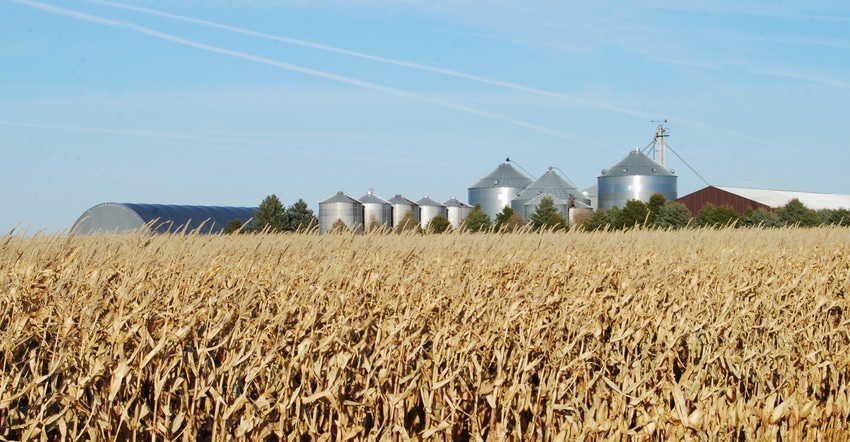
<point x="225" y="102"/>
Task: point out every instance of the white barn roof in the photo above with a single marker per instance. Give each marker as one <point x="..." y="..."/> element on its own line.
<point x="777" y="198"/>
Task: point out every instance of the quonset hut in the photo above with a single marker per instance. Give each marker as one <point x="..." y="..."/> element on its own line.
<point x="495" y="191"/>
<point x="340" y="207"/>
<point x="563" y="193"/>
<point x="159" y="218"/>
<point x="635" y="177"/>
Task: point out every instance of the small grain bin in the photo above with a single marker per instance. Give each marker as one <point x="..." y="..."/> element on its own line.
<point x="401" y="206"/>
<point x="428" y="209"/>
<point x="340" y="207"/>
<point x="377" y="212"/>
<point x="457" y="211"/>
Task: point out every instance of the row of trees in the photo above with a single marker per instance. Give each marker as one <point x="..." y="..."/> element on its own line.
<point x="271" y="216"/>
<point x="658" y="213"/>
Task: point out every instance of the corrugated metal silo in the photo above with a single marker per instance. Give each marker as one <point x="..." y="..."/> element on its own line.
<point x="377" y="212"/>
<point x="635" y="177"/>
<point x="530" y="206"/>
<point x="549" y="183"/>
<point x="340" y="207"/>
<point x="495" y="191"/>
<point x="457" y="211"/>
<point x="401" y="206"/>
<point x="428" y="209"/>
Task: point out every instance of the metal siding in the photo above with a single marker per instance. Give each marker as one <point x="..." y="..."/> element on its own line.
<point x="718" y="197"/>
<point x="616" y="190"/>
<point x="493" y="200"/>
<point x="113" y="217"/>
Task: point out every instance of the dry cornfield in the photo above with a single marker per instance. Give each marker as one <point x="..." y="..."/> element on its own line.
<point x="638" y="335"/>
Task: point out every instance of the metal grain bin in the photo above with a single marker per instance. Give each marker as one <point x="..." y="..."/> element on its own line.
<point x="428" y="209"/>
<point x="636" y="177"/>
<point x="530" y="206"/>
<point x="495" y="191"/>
<point x="457" y="211"/>
<point x="549" y="183"/>
<point x="340" y="207"/>
<point x="401" y="206"/>
<point x="377" y="212"/>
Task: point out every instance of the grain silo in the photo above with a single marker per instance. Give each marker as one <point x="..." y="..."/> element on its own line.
<point x="635" y="177"/>
<point x="457" y="211"/>
<point x="401" y="206"/>
<point x="428" y="209"/>
<point x="495" y="191"/>
<point x="340" y="207"/>
<point x="159" y="218"/>
<point x="377" y="212"/>
<point x="559" y="188"/>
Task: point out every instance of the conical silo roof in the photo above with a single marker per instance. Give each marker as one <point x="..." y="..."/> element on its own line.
<point x="371" y="198"/>
<point x="428" y="202"/>
<point x="504" y="176"/>
<point x="553" y="184"/>
<point x="636" y="163"/>
<point x="454" y="202"/>
<point x="339" y="198"/>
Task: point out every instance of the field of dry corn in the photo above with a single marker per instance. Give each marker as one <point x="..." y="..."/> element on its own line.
<point x="639" y="335"/>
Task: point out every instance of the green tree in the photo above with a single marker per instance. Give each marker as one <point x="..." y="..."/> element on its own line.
<point x="477" y="220"/>
<point x="837" y="217"/>
<point x="656" y="202"/>
<point x="299" y="218"/>
<point x="270" y="215"/>
<point x="713" y="216"/>
<point x="672" y="215"/>
<point x="339" y="226"/>
<point x="634" y="213"/>
<point x="234" y="226"/>
<point x="543" y="214"/>
<point x="408" y="223"/>
<point x="508" y="220"/>
<point x="794" y="212"/>
<point x="614" y="216"/>
<point x="597" y="220"/>
<point x="438" y="224"/>
<point x="760" y="218"/>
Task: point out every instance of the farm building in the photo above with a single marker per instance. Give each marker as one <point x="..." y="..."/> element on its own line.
<point x="159" y="218"/>
<point x="740" y="199"/>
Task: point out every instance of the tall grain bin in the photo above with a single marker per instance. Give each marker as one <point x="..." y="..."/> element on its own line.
<point x="340" y="207"/>
<point x="401" y="206"/>
<point x="457" y="211"/>
<point x="560" y="189"/>
<point x="635" y="177"/>
<point x="428" y="209"/>
<point x="377" y="212"/>
<point x="495" y="191"/>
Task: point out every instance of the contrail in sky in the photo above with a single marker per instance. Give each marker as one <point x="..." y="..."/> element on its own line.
<point x="291" y="67"/>
<point x="421" y="67"/>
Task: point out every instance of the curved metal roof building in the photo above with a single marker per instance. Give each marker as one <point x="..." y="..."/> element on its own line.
<point x="159" y="218"/>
